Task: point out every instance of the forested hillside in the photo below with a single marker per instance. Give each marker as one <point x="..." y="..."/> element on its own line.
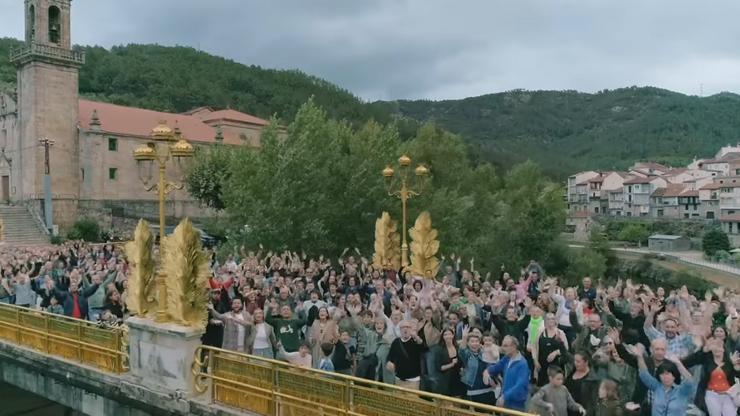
<point x="563" y="131"/>
<point x="178" y="79"/>
<point x="566" y="131"/>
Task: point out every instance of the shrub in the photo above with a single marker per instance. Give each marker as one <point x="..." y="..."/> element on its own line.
<point x="634" y="233"/>
<point x="85" y="229"/>
<point x="715" y="240"/>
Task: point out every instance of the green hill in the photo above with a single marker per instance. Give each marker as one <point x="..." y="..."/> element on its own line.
<point x="178" y="79"/>
<point x="566" y="131"/>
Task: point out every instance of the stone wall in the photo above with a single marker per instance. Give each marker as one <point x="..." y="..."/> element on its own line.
<point x="121" y="216"/>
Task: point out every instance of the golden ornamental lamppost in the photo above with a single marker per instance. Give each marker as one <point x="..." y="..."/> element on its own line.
<point x="399" y="185"/>
<point x="167" y="145"/>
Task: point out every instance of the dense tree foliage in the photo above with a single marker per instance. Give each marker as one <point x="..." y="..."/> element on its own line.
<point x="715" y="240"/>
<point x="319" y="189"/>
<point x="7" y="71"/>
<point x="567" y="131"/>
<point x="634" y="233"/>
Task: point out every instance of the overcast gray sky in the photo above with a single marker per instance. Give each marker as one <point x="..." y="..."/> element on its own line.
<point x="391" y="49"/>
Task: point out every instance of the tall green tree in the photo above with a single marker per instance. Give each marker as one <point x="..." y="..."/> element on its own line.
<point x="209" y="174"/>
<point x="318" y="187"/>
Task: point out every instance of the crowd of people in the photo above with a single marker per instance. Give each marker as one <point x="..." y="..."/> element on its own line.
<point x="521" y="340"/>
<point x="75" y="279"/>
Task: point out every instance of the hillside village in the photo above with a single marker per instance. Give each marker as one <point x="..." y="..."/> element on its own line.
<point x="706" y="189"/>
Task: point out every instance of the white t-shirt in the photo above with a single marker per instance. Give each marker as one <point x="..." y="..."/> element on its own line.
<point x="260" y="340"/>
<point x="239" y="331"/>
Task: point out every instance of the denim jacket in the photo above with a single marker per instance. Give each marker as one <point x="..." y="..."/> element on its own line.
<point x="474" y="366"/>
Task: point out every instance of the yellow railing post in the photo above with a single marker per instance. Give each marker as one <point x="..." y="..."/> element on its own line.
<point x="47" y="340"/>
<point x="350" y="405"/>
<point x="18" y="326"/>
<point x="78" y="344"/>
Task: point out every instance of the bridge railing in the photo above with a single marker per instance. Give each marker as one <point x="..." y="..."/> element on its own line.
<point x="73" y="339"/>
<point x="270" y="388"/>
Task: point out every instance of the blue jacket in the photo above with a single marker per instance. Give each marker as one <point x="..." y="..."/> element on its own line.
<point x="515" y="388"/>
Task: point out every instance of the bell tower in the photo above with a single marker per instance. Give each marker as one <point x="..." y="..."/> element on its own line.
<point x="47" y="82"/>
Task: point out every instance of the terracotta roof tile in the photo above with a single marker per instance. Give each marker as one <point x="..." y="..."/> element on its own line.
<point x="673" y="190"/>
<point x="638" y="179"/>
<point x="132" y="121"/>
<point x="231" y="115"/>
<point x="711" y="186"/>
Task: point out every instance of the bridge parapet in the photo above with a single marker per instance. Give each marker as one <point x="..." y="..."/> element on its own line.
<point x="269" y="387"/>
<point x="72" y="339"/>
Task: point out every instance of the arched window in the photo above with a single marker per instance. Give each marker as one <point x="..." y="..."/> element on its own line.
<point x="54" y="26"/>
<point x="32" y="22"/>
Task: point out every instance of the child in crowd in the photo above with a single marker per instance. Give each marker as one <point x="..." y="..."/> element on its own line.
<point x="301" y="358"/>
<point x="54" y="306"/>
<point x="326" y="364"/>
<point x="609" y="399"/>
<point x="344" y="353"/>
<point x="554" y="398"/>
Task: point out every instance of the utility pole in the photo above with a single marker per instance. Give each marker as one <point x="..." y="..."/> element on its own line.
<point x="47" y="143"/>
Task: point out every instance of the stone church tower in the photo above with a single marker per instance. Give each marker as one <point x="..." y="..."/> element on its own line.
<point x="47" y="103"/>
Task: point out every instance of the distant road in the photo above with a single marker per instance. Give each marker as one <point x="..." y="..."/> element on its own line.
<point x="722" y="274"/>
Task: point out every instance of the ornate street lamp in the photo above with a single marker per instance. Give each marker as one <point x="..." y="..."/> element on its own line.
<point x="166" y="145"/>
<point x="398" y="183"/>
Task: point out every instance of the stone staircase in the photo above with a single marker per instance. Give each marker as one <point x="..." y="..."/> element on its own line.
<point x="20" y="227"/>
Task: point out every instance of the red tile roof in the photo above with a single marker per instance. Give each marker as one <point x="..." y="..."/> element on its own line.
<point x="132" y="121"/>
<point x="690" y="192"/>
<point x="712" y="185"/>
<point x="638" y="179"/>
<point x="730" y="218"/>
<point x="231" y="115"/>
<point x="673" y="190"/>
<point x="732" y="156"/>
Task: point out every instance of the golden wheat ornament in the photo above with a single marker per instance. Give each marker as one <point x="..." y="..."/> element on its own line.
<point x="186" y="267"/>
<point x="140" y="294"/>
<point x="387" y="244"/>
<point x="424" y="247"/>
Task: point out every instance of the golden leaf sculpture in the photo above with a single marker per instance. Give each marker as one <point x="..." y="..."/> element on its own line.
<point x="186" y="267"/>
<point x="141" y="291"/>
<point x="424" y="247"/>
<point x="387" y="244"/>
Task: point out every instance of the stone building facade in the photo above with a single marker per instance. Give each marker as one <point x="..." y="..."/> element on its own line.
<point x="90" y="163"/>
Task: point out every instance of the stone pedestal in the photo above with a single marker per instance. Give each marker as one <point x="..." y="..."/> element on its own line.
<point x="161" y="355"/>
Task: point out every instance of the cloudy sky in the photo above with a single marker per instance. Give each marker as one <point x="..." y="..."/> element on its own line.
<point x="389" y="49"/>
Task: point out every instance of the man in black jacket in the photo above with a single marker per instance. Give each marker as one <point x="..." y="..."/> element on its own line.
<point x="632" y="323"/>
<point x="74" y="300"/>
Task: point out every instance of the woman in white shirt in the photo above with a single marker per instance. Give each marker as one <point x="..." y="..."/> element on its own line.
<point x="261" y="340"/>
<point x="566" y="305"/>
